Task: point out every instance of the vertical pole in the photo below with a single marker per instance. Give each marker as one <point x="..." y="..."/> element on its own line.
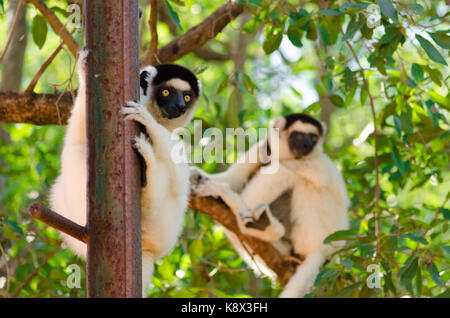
<point x="114" y="249"/>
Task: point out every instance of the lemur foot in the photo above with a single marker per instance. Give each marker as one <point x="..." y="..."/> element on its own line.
<point x="209" y="189"/>
<point x="82" y="59"/>
<point x="256" y="217"/>
<point x="197" y="176"/>
<point x="260" y="223"/>
<point x="143" y="146"/>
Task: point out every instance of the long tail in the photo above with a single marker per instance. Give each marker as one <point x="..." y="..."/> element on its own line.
<point x="304" y="276"/>
<point x="147" y="271"/>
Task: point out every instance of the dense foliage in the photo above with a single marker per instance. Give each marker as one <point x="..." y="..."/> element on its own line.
<point x="376" y="71"/>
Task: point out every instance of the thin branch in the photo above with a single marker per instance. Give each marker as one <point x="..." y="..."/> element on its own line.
<point x="222" y="214"/>
<point x="44" y="66"/>
<point x="36" y="109"/>
<point x="11" y="32"/>
<point x="57" y="26"/>
<point x="210" y="55"/>
<point x="153" y="21"/>
<point x="36" y="270"/>
<point x="5" y="260"/>
<point x="198" y="35"/>
<point x="376" y="159"/>
<point x="58" y="222"/>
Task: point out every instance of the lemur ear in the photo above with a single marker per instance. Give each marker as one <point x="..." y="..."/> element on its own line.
<point x="279" y="123"/>
<point x="146" y="77"/>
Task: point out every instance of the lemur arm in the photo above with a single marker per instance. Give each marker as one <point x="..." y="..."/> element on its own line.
<point x="237" y="174"/>
<point x="266" y="188"/>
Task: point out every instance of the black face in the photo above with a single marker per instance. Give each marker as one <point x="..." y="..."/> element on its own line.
<point x="302" y="144"/>
<point x="173" y="102"/>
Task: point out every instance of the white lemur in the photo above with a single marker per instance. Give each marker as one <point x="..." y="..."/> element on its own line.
<point x="168" y="98"/>
<point x="303" y="202"/>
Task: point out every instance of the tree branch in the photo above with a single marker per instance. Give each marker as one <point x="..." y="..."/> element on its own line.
<point x="36" y="109"/>
<point x="210" y="55"/>
<point x="197" y="36"/>
<point x="42" y="69"/>
<point x="57" y="26"/>
<point x="35" y="271"/>
<point x="150" y="57"/>
<point x="192" y="39"/>
<point x="221" y="214"/>
<point x="11" y="32"/>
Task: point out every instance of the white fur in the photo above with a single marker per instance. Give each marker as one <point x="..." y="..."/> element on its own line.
<point x="163" y="199"/>
<point x="319" y="203"/>
<point x="179" y="84"/>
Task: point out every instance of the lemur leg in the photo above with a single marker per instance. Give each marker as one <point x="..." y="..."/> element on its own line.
<point x="147" y="271"/>
<point x="237" y="175"/>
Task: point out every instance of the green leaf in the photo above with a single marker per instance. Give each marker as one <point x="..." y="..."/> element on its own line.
<point x="174" y="16"/>
<point x="13" y="226"/>
<point x="337" y="100"/>
<point x="441" y="38"/>
<point x="417" y="72"/>
<point x="445" y="212"/>
<point x="416" y="238"/>
<point x="348" y="263"/>
<point x="272" y="41"/>
<point x="325" y="36"/>
<point x="418" y="8"/>
<point x="331" y="12"/>
<point x="363" y="96"/>
<point x="300" y="20"/>
<point x="419" y="282"/>
<point x="435" y="74"/>
<point x="434" y="273"/>
<point x="295" y="36"/>
<point x="348" y="78"/>
<point x="39" y="30"/>
<point x="431" y="51"/>
<point x="2" y="5"/>
<point x="445" y="294"/>
<point x="249" y="85"/>
<point x="314" y="107"/>
<point x="388" y="9"/>
<point x="397" y="125"/>
<point x="166" y="269"/>
<point x="444" y="102"/>
<point x="396" y="158"/>
<point x="350" y="96"/>
<point x="390" y="284"/>
<point x="348" y="290"/>
<point x="408" y="270"/>
<point x="196" y="251"/>
<point x="352" y="28"/>
<point x="340" y="235"/>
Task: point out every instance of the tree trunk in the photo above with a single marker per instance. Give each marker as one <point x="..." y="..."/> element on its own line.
<point x="13" y="60"/>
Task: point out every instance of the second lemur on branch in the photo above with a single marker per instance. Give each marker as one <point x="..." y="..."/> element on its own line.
<point x="295" y="207"/>
<point x="168" y="98"/>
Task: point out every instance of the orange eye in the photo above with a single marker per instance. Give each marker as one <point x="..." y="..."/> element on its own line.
<point x="187" y="98"/>
<point x="165" y="92"/>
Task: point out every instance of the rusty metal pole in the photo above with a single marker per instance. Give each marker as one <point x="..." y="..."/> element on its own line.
<point x="114" y="249"/>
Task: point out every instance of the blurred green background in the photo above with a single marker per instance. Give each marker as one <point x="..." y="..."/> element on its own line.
<point x="279" y="57"/>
